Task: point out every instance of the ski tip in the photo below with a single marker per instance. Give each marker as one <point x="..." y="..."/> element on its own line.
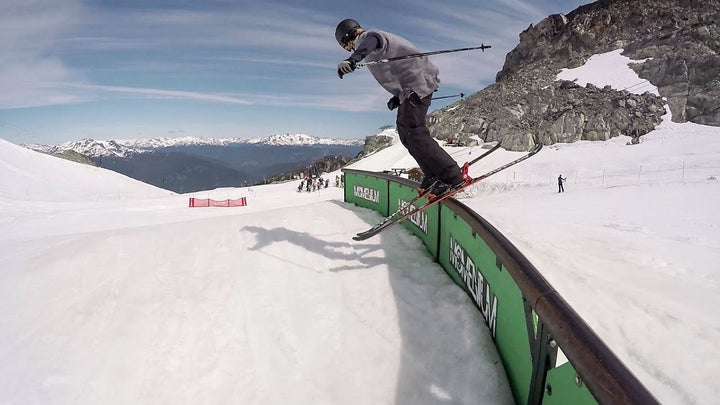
<point x="535" y="148"/>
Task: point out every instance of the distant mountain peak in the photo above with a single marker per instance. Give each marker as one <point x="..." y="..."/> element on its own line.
<point x="124" y="147"/>
<point x="88" y="147"/>
<point x="302" y="139"/>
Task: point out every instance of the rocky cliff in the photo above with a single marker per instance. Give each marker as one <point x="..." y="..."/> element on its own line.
<point x="677" y="42"/>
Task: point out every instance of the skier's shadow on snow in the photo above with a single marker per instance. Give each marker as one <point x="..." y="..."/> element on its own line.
<point x="342" y="251"/>
<point x="418" y="381"/>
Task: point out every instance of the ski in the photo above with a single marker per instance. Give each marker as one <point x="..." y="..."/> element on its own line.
<point x="424" y="193"/>
<point x="489" y="151"/>
<point x="407" y="213"/>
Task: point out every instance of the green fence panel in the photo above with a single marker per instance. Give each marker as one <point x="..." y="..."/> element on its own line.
<point x="563" y="386"/>
<point x="424" y="224"/>
<point x="474" y="266"/>
<point x="367" y="191"/>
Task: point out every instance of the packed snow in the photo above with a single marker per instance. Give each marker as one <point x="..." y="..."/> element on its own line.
<point x="114" y="291"/>
<point x="615" y="73"/>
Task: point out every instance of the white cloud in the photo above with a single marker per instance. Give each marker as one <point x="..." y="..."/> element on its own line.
<point x="68" y="51"/>
<point x="30" y="31"/>
<point x="161" y="93"/>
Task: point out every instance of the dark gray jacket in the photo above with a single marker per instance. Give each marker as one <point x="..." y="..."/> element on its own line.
<point x="401" y="77"/>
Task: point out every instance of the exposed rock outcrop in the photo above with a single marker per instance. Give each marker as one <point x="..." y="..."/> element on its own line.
<point x="375" y="143"/>
<point x="678" y="42"/>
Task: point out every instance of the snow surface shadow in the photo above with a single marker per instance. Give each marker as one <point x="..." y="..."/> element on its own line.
<point x="339" y="251"/>
<point x="444" y="359"/>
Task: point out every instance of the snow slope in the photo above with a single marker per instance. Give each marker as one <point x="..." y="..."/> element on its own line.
<point x="112" y="291"/>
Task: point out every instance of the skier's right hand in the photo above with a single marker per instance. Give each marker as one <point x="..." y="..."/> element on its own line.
<point x="346" y="66"/>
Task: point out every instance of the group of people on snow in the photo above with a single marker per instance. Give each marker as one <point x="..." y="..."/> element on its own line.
<point x="310" y="184"/>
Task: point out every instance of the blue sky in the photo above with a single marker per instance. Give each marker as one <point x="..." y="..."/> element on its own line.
<point x="103" y="69"/>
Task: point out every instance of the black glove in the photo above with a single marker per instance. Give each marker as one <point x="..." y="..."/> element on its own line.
<point x="346" y="66"/>
<point x="393" y="103"/>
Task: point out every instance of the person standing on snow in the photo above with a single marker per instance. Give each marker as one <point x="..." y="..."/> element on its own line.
<point x="411" y="82"/>
<point x="561" y="179"/>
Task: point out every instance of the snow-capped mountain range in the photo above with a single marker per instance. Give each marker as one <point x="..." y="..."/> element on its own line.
<point x="126" y="147"/>
<point x="189" y="164"/>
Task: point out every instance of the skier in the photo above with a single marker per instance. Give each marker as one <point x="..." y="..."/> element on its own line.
<point x="411" y="83"/>
<point x="561" y="179"/>
<point x="300" y="187"/>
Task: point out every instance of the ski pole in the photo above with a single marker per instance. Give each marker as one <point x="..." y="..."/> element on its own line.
<point x="482" y="47"/>
<point x="461" y="95"/>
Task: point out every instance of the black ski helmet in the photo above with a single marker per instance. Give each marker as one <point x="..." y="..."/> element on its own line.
<point x="346" y="31"/>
